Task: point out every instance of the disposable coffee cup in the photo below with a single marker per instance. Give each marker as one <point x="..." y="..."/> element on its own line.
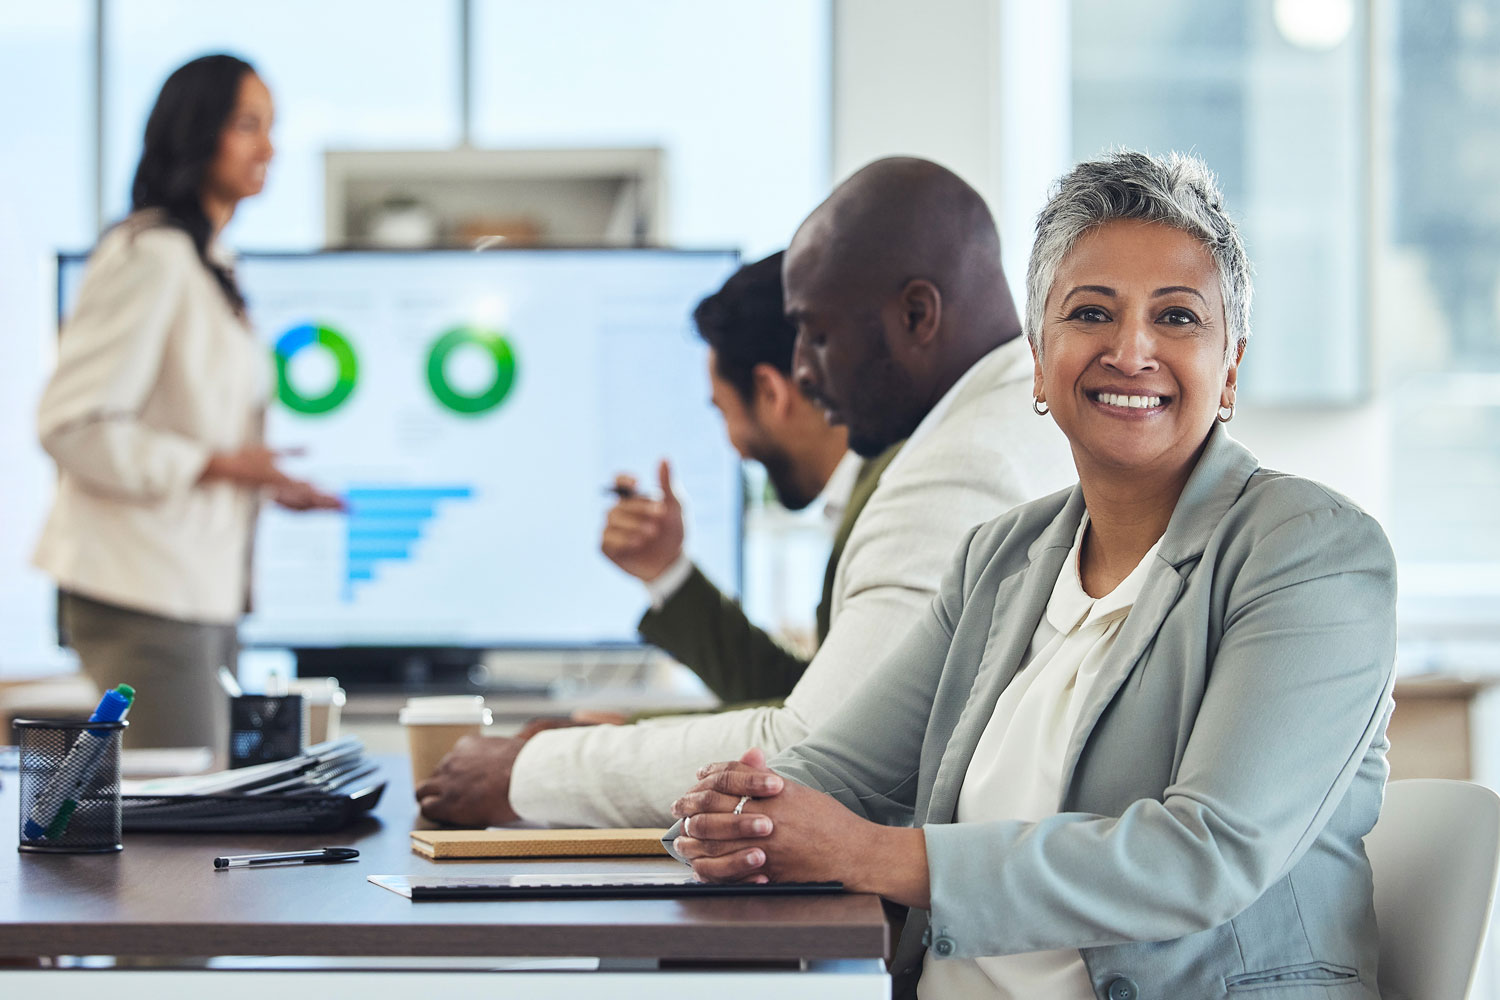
<point x="323" y="701"/>
<point x="434" y="725"/>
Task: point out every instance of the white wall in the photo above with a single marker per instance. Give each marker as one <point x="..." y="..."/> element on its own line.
<point x="936" y="86"/>
<point x="920" y="81"/>
<point x="44" y="54"/>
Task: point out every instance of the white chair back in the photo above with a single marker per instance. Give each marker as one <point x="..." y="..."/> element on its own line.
<point x="1435" y="852"/>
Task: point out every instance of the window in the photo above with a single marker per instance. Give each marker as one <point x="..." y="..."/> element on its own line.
<point x="1275" y="104"/>
<point x="1437" y="298"/>
<point x="46" y="54"/>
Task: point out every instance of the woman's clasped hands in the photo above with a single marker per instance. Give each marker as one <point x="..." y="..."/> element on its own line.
<point x="787" y="832"/>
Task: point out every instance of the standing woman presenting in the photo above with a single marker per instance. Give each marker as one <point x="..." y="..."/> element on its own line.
<point x="155" y="418"/>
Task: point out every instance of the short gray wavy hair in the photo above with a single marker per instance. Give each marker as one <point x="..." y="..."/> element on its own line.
<point x="1177" y="190"/>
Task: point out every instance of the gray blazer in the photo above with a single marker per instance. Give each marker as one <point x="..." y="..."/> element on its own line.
<point x="1224" y="771"/>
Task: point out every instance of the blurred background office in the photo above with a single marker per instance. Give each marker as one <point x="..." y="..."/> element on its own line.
<point x="1358" y="139"/>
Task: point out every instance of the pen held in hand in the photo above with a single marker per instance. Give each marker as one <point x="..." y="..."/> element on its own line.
<point x="621" y="491"/>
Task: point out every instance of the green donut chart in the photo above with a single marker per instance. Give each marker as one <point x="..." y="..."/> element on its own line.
<point x="300" y="338"/>
<point x="505" y="370"/>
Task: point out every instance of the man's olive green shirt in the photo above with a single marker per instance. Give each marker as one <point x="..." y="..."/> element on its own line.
<point x="708" y="632"/>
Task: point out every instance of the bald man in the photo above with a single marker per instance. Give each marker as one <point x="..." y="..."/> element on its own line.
<point x="906" y="329"/>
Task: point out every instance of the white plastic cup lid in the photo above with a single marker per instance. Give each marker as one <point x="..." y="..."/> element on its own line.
<point x="318" y="690"/>
<point x="446" y="710"/>
<point x="448" y="701"/>
<point x="476" y="717"/>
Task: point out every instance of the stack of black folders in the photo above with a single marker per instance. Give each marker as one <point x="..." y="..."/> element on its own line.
<point x="326" y="787"/>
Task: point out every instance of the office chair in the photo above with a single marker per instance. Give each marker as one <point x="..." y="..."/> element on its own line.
<point x="1435" y="852"/>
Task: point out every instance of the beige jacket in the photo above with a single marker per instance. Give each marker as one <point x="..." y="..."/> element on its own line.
<point x="980" y="452"/>
<point x="155" y="372"/>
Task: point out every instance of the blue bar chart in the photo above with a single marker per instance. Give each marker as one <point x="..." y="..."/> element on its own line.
<point x="385" y="524"/>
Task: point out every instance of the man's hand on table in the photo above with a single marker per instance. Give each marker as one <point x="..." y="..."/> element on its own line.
<point x="471" y="785"/>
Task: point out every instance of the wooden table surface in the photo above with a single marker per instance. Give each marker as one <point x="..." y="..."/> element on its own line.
<point x="161" y="896"/>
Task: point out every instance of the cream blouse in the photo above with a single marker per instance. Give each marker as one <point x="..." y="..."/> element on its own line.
<point x="1016" y="771"/>
<point x="155" y="372"/>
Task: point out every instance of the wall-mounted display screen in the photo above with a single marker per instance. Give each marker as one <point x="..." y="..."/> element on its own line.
<point x="470" y="408"/>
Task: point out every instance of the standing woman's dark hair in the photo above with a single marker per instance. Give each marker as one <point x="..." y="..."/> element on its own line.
<point x="182" y="139"/>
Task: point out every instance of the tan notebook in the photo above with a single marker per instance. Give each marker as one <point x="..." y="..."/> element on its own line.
<point x="442" y="844"/>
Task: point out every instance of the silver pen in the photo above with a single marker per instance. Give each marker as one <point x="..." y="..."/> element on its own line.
<point x="321" y="856"/>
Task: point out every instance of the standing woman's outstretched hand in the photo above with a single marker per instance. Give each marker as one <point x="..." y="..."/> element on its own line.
<point x="259" y="466"/>
<point x="788" y="832"/>
<point x="297" y="494"/>
<point x="253" y="465"/>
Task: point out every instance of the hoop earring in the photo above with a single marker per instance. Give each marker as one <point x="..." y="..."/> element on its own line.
<point x="1040" y="407"/>
<point x="1222" y="418"/>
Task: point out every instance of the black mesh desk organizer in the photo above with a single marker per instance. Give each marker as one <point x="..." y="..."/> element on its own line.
<point x="70" y="785"/>
<point x="323" y="789"/>
<point x="264" y="728"/>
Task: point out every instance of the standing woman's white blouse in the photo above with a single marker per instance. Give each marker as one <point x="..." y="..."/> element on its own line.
<point x="155" y="373"/>
<point x="1016" y="770"/>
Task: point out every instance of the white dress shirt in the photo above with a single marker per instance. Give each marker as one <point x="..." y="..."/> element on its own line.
<point x="155" y="373"/>
<point x="1016" y="771"/>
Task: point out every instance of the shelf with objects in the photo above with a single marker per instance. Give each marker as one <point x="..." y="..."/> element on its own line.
<point x="416" y="199"/>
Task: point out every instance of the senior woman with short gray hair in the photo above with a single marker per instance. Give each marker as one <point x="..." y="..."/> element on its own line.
<point x="1134" y="748"/>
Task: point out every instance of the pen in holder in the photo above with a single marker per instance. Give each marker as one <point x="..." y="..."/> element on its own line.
<point x="70" y="785"/>
<point x="263" y="728"/>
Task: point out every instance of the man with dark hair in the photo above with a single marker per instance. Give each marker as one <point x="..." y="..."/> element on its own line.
<point x="905" y="328"/>
<point x="769" y="421"/>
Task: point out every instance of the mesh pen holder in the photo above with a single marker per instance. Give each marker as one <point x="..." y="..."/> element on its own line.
<point x="263" y="728"/>
<point x="70" y="785"/>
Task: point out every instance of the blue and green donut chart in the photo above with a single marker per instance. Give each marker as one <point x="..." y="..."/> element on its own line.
<point x="505" y="370"/>
<point x="300" y="338"/>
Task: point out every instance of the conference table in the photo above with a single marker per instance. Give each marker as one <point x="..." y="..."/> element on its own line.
<point x="157" y="920"/>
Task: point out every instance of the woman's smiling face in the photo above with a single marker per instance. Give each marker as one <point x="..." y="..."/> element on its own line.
<point x="1133" y="342"/>
<point x="245" y="150"/>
